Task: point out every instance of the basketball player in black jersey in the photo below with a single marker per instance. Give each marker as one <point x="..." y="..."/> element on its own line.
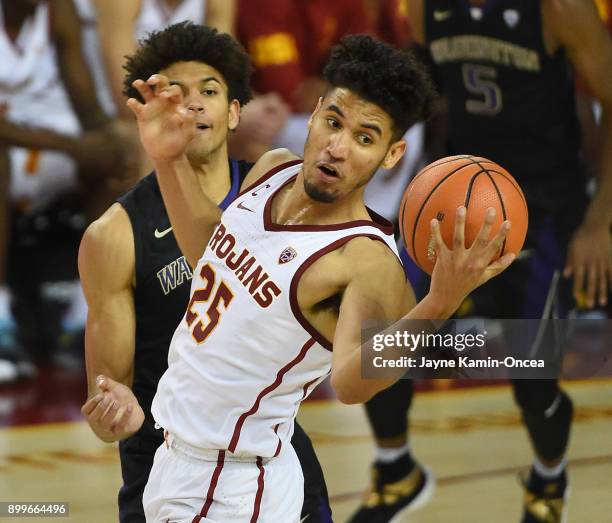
<point x="135" y="278"/>
<point x="504" y="67"/>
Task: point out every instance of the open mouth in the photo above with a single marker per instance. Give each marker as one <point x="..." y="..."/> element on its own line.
<point x="328" y="170"/>
<point x="202" y="126"/>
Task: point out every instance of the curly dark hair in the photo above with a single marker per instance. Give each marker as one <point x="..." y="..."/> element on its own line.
<point x="388" y="77"/>
<point x="184" y="42"/>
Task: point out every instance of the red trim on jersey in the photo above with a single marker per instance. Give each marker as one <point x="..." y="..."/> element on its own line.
<point x="260" y="488"/>
<point x="280" y="443"/>
<point x="295" y="307"/>
<point x="377" y="221"/>
<point x="306" y="387"/>
<point x="279" y="378"/>
<point x="211" y="488"/>
<point x="268" y="175"/>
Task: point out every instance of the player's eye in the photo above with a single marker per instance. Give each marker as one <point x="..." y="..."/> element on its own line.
<point x="333" y="123"/>
<point x="364" y="139"/>
<point x="209" y="92"/>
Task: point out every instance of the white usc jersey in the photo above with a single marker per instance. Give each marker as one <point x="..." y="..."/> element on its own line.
<point x="244" y="356"/>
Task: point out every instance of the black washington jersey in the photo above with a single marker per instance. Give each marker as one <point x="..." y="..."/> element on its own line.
<point x="509" y="99"/>
<point x="163" y="280"/>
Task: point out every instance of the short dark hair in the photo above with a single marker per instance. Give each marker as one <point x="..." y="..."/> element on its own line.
<point x="391" y="78"/>
<point x="185" y="42"/>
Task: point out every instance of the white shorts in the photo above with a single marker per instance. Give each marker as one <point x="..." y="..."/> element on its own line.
<point x="189" y="485"/>
<point x="38" y="177"/>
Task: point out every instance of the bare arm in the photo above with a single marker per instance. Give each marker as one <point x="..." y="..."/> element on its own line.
<point x="576" y="26"/>
<point x="106" y="268"/>
<point x="116" y="20"/>
<point x="222" y="15"/>
<point x="76" y="75"/>
<point x="378" y="291"/>
<point x="166" y="128"/>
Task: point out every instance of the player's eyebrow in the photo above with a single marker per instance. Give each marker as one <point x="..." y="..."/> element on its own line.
<point x="210" y="79"/>
<point x="203" y="81"/>
<point x="335" y="109"/>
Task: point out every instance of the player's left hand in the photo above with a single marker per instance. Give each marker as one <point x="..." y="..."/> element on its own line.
<point x="589" y="261"/>
<point x="113" y="413"/>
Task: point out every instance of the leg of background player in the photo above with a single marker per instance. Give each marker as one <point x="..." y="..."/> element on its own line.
<point x="316" y="507"/>
<point x="399" y="484"/>
<point x="547" y="414"/>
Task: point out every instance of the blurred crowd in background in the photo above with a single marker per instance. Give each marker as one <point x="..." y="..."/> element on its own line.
<point x="69" y="145"/>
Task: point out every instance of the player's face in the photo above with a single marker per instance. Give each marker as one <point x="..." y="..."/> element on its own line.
<point x="349" y="139"/>
<point x="205" y="93"/>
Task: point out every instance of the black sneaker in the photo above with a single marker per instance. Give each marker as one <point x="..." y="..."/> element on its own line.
<point x="394" y="492"/>
<point x="545" y="500"/>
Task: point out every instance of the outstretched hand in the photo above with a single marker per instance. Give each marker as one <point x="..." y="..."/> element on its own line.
<point x="460" y="270"/>
<point x="113" y="413"/>
<point x="165" y="126"/>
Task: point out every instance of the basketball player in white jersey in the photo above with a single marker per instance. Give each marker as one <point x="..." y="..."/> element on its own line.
<point x="290" y="270"/>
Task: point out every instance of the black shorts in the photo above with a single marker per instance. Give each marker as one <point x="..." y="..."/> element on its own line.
<point x="137" y="452"/>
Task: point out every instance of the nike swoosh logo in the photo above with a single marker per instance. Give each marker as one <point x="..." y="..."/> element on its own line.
<point x="304" y="518"/>
<point x="241" y="206"/>
<point x="440" y="16"/>
<point x="160" y="234"/>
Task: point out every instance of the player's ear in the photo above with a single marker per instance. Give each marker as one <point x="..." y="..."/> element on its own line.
<point x="234" y="115"/>
<point x="394" y="154"/>
<point x="316" y="110"/>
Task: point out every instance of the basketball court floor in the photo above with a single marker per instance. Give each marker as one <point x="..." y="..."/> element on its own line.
<point x="471" y="438"/>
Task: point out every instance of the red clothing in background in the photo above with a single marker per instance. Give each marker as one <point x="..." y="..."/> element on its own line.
<point x="289" y="40"/>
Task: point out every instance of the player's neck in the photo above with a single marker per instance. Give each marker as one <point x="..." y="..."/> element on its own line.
<point x="293" y="206"/>
<point x="214" y="175"/>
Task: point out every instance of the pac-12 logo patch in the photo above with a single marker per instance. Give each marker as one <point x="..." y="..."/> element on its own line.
<point x="287" y="255"/>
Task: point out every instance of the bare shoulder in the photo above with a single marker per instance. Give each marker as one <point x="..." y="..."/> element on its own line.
<point x="369" y="256"/>
<point x="106" y="253"/>
<point x="266" y="163"/>
<point x="377" y="274"/>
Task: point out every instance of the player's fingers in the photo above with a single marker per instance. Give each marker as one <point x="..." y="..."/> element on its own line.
<point x="603" y="285"/>
<point x="105" y="383"/>
<point x="100" y="409"/>
<point x="111" y="412"/>
<point x="591" y="286"/>
<point x="158" y="82"/>
<point x="122" y="419"/>
<point x="91" y="404"/>
<point x="578" y="284"/>
<point x="459" y="235"/>
<point x="495" y="245"/>
<point x="436" y="236"/>
<point x="135" y="106"/>
<point x="482" y="239"/>
<point x="145" y="90"/>
<point x="498" y="266"/>
<point x="175" y="95"/>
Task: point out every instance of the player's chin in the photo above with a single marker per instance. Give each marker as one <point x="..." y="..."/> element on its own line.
<point x="319" y="193"/>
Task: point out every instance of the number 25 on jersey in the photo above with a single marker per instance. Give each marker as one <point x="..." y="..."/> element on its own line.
<point x="201" y="328"/>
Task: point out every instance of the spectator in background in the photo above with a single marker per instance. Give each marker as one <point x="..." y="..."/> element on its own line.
<point x="57" y="151"/>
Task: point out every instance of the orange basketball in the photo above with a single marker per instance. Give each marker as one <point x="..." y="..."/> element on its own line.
<point x="441" y="187"/>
